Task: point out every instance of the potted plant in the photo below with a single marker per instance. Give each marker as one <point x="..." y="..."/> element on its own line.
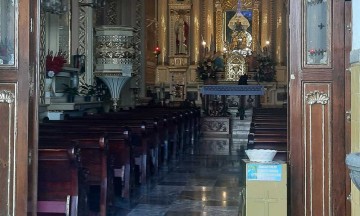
<point x="71" y="93"/>
<point x="88" y="91"/>
<point x="266" y="69"/>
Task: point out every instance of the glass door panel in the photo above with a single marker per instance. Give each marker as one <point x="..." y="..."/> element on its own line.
<point x="7" y="32"/>
<point x="317" y="32"/>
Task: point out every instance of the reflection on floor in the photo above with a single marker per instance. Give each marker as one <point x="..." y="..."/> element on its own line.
<point x="201" y="184"/>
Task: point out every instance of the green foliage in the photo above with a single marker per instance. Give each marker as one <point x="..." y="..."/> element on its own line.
<point x="71" y="90"/>
<point x="205" y="70"/>
<point x="266" y="69"/>
<point x="88" y="90"/>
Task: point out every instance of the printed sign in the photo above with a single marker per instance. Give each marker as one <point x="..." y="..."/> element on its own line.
<point x="264" y="172"/>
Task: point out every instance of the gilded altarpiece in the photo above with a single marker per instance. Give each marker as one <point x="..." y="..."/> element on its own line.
<point x="222" y="7"/>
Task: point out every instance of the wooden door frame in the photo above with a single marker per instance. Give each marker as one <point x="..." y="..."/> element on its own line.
<point x="34" y="101"/>
<point x="348" y="43"/>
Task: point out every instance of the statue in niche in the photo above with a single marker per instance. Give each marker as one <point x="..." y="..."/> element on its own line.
<point x="238" y="18"/>
<point x="181" y="35"/>
<point x="241" y="39"/>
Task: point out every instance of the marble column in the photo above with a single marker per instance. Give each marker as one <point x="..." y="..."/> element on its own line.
<point x="209" y="33"/>
<point x="195" y="30"/>
<point x="162" y="33"/>
<point x="279" y="48"/>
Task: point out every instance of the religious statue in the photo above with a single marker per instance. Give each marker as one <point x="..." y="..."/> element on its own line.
<point x="182" y="35"/>
<point x="241" y="39"/>
<point x="239" y="48"/>
<point x="218" y="60"/>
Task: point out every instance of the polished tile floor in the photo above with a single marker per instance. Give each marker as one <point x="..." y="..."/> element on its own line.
<point x="198" y="184"/>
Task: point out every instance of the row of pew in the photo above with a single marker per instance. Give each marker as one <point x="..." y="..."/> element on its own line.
<point x="86" y="163"/>
<point x="268" y="130"/>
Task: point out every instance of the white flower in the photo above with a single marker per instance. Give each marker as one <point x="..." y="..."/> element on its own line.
<point x="51" y="74"/>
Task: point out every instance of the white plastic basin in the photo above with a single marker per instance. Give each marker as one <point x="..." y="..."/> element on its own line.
<point x="260" y="155"/>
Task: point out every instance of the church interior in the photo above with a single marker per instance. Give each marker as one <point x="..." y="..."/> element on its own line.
<point x="179" y="107"/>
<point x="150" y="70"/>
<point x="164" y="51"/>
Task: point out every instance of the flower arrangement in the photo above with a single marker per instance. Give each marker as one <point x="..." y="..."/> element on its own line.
<point x="54" y="63"/>
<point x="205" y="69"/>
<point x="266" y="69"/>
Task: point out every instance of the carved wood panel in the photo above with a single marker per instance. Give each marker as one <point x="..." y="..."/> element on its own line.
<point x="7" y="146"/>
<point x="317" y="147"/>
<point x="215" y="125"/>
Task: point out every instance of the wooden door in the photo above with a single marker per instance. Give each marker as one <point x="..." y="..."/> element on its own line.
<point x="14" y="109"/>
<point x="317" y="107"/>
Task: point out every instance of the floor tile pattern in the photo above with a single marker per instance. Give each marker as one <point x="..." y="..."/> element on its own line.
<point x="204" y="185"/>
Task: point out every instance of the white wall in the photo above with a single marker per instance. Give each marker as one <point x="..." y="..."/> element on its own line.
<point x="355" y="25"/>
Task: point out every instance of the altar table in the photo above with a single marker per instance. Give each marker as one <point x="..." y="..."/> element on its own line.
<point x="217" y="107"/>
<point x="232" y="90"/>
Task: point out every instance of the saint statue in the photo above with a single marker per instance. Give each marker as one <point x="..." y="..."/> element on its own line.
<point x="218" y="60"/>
<point x="236" y="19"/>
<point x="182" y="35"/>
<point x="241" y="39"/>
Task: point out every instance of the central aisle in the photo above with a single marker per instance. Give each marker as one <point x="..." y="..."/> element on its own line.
<point x="200" y="185"/>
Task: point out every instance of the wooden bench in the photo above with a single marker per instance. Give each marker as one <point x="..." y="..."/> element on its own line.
<point x="166" y="136"/>
<point x="122" y="147"/>
<point x="93" y="153"/>
<point x="59" y="183"/>
<point x="144" y="150"/>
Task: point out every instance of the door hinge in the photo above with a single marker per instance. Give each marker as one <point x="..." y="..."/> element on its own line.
<point x="31" y="25"/>
<point x="349" y="197"/>
<point x="349" y="27"/>
<point x="30" y="158"/>
<point x="348" y="115"/>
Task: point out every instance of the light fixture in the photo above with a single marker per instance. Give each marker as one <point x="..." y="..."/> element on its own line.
<point x="54" y="6"/>
<point x="93" y="4"/>
<point x="157" y="51"/>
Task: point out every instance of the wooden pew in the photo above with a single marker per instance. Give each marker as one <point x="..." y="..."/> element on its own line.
<point x="187" y="118"/>
<point x="163" y="127"/>
<point x="122" y="148"/>
<point x="93" y="153"/>
<point x="143" y="149"/>
<point x="165" y="130"/>
<point x="59" y="183"/>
